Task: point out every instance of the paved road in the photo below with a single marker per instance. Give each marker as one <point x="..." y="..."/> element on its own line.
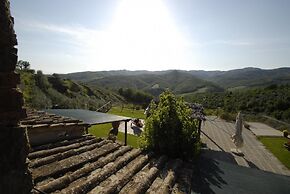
<point x="216" y="135"/>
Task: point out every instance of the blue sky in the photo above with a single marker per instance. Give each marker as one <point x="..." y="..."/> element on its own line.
<point x="91" y="35"/>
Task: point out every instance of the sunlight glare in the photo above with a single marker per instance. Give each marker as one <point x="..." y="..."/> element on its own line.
<point x="142" y="33"/>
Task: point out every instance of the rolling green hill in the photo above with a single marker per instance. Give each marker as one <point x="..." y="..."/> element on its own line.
<point x="184" y="81"/>
<point x="153" y="82"/>
<point x="247" y="77"/>
<point x="46" y="91"/>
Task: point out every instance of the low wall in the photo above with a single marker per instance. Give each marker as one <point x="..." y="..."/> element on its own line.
<point x="45" y="133"/>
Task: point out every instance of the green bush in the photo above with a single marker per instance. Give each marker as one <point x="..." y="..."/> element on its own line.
<point x="169" y="129"/>
<point x="227" y="116"/>
<point x="285" y="133"/>
<point x="246" y="125"/>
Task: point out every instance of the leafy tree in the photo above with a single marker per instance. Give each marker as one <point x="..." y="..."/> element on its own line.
<point x="135" y="96"/>
<point x="42" y="81"/>
<point x="27" y="86"/>
<point x="273" y="100"/>
<point x="41" y="91"/>
<point x="170" y="129"/>
<point x="23" y="65"/>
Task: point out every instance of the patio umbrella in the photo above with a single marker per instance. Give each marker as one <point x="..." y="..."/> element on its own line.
<point x="237" y="137"/>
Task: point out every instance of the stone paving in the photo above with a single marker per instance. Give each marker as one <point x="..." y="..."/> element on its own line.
<point x="216" y="134"/>
<point x="261" y="129"/>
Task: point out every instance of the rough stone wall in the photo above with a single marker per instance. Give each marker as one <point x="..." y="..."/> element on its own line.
<point x="14" y="174"/>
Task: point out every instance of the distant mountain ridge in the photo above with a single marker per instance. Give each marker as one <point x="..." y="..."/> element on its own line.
<point x="251" y="77"/>
<point x="152" y="82"/>
<point x="181" y="81"/>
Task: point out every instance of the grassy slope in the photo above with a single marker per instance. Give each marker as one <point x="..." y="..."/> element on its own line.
<point x="275" y="145"/>
<point x="42" y="91"/>
<point x="127" y="112"/>
<point x="103" y="131"/>
<point x="178" y="81"/>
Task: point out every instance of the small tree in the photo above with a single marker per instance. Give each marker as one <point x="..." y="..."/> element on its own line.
<point x="170" y="129"/>
<point x="23" y="65"/>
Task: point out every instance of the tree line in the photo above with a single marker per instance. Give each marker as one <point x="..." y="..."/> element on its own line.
<point x="51" y="91"/>
<point x="273" y="100"/>
<point x="135" y="96"/>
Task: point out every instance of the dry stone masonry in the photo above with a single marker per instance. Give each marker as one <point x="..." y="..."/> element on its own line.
<point x="45" y="127"/>
<point x="14" y="175"/>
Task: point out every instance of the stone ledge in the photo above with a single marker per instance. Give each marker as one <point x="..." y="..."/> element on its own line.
<point x="8" y="60"/>
<point x="11" y="99"/>
<point x="12" y="117"/>
<point x="9" y="80"/>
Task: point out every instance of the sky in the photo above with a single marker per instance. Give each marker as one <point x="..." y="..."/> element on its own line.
<point x="63" y="36"/>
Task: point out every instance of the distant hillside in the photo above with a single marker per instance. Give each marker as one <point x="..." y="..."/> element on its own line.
<point x="272" y="100"/>
<point x="187" y="82"/>
<point x="247" y="77"/>
<point x="152" y="82"/>
<point x="88" y="76"/>
<point x="42" y="91"/>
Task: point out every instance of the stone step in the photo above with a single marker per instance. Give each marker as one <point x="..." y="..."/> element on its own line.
<point x="63" y="181"/>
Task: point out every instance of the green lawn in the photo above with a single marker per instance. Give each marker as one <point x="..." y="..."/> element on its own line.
<point x="275" y="145"/>
<point x="103" y="130"/>
<point x="127" y="112"/>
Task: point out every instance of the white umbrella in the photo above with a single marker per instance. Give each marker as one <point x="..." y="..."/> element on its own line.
<point x="237" y="137"/>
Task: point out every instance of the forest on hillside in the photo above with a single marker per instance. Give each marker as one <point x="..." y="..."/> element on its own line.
<point x="51" y="91"/>
<point x="272" y="100"/>
<point x="46" y="91"/>
<point x="42" y="91"/>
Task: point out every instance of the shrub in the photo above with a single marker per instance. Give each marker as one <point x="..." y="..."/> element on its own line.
<point x="169" y="129"/>
<point x="285" y="133"/>
<point x="287" y="145"/>
<point x="227" y="116"/>
<point x="246" y="125"/>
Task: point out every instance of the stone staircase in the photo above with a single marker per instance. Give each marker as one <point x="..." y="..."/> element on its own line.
<point x="95" y="165"/>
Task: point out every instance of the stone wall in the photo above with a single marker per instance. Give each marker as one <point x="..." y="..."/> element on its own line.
<point x="43" y="127"/>
<point x="14" y="174"/>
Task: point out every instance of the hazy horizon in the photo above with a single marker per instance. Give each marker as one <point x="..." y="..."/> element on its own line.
<point x="154" y="35"/>
<point x="172" y="70"/>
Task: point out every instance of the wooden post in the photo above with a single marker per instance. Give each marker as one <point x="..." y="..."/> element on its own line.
<point x="199" y="127"/>
<point x="126" y="132"/>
